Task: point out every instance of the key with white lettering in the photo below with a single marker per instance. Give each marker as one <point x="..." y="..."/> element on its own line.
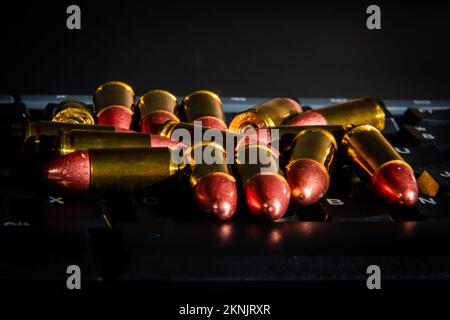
<point x="420" y="158"/>
<point x="428" y="135"/>
<point x="427" y="117"/>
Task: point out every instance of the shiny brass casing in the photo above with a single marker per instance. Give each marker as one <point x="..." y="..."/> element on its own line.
<point x="256" y="159"/>
<point x="201" y="169"/>
<point x="71" y="111"/>
<point x="355" y="112"/>
<point x="157" y="100"/>
<point x="48" y="128"/>
<point x="113" y="93"/>
<point x="268" y="114"/>
<point x="76" y="140"/>
<point x="202" y="103"/>
<point x="118" y="170"/>
<point x="368" y="150"/>
<point x="169" y="127"/>
<point x="316" y="144"/>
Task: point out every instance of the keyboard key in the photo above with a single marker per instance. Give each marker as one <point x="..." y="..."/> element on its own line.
<point x="421" y="135"/>
<point x="437" y="176"/>
<point x="420" y="158"/>
<point x="6" y="99"/>
<point x="434" y="207"/>
<point x="399" y="107"/>
<point x="39" y="102"/>
<point x="427" y="117"/>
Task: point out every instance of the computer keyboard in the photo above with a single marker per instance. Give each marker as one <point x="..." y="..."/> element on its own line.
<point x="156" y="237"/>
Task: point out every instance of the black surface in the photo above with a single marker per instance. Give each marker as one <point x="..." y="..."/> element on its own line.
<point x="250" y="49"/>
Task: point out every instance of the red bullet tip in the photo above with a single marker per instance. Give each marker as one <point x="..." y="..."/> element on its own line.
<point x="268" y="196"/>
<point x="117" y="116"/>
<point x="157" y="141"/>
<point x="213" y="123"/>
<point x="308" y="118"/>
<point x="308" y="181"/>
<point x="71" y="172"/>
<point x="395" y="183"/>
<point x="153" y="121"/>
<point x="216" y="195"/>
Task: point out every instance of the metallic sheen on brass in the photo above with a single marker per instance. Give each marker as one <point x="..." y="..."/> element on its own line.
<point x="269" y="114"/>
<point x="157" y="100"/>
<point x="75" y="140"/>
<point x="201" y="105"/>
<point x="129" y="170"/>
<point x="113" y="93"/>
<point x="355" y="112"/>
<point x="72" y="111"/>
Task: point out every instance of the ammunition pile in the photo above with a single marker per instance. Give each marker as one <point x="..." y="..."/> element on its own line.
<point x="269" y="154"/>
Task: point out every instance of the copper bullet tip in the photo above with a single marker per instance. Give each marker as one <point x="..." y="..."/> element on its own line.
<point x="153" y="121"/>
<point x="267" y="196"/>
<point x="115" y="115"/>
<point x="71" y="172"/>
<point x="308" y="118"/>
<point x="395" y="183"/>
<point x="216" y="196"/>
<point x="308" y="181"/>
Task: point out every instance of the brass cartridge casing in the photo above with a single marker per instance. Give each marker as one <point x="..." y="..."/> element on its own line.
<point x="316" y="144"/>
<point x="157" y="100"/>
<point x="202" y="169"/>
<point x="72" y="111"/>
<point x="355" y="112"/>
<point x="369" y="150"/>
<point x="377" y="163"/>
<point x="115" y="170"/>
<point x="114" y="93"/>
<point x="169" y="128"/>
<point x="75" y="140"/>
<point x="48" y="128"/>
<point x="254" y="159"/>
<point x="202" y="105"/>
<point x="269" y="114"/>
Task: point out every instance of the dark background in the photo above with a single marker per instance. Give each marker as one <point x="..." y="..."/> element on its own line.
<point x="251" y="49"/>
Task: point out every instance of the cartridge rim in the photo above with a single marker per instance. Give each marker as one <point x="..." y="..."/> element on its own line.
<point x="73" y="115"/>
<point x="249" y="119"/>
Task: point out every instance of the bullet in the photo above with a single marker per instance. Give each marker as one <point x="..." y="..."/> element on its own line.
<point x="196" y="134"/>
<point x="312" y="153"/>
<point x="267" y="193"/>
<point x="213" y="187"/>
<point x="110" y="170"/>
<point x="39" y="135"/>
<point x="75" y="140"/>
<point x="71" y="111"/>
<point x="157" y="107"/>
<point x="114" y="103"/>
<point x="269" y="114"/>
<point x="206" y="107"/>
<point x="354" y="112"/>
<point x="285" y="135"/>
<point x="377" y="164"/>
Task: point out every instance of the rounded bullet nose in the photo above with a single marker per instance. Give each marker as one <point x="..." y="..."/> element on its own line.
<point x="71" y="172"/>
<point x="213" y="123"/>
<point x="153" y="121"/>
<point x="309" y="118"/>
<point x="296" y="104"/>
<point x="308" y="181"/>
<point x="117" y="116"/>
<point x="216" y="196"/>
<point x="267" y="196"/>
<point x="395" y="183"/>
